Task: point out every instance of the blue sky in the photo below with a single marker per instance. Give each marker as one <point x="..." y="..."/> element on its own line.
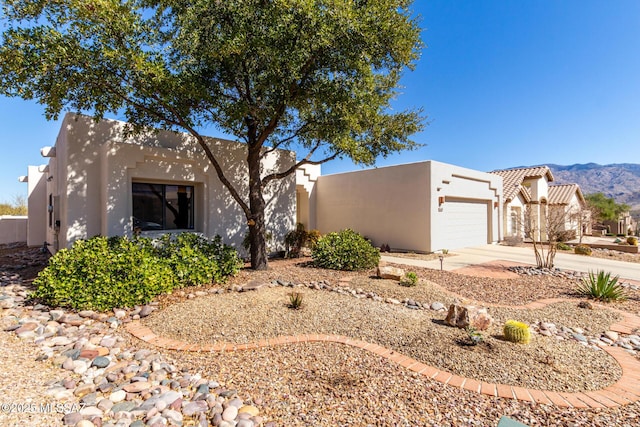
<point x="504" y="84"/>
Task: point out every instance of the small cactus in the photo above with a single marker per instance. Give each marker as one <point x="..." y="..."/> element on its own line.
<point x="632" y="240"/>
<point x="517" y="332"/>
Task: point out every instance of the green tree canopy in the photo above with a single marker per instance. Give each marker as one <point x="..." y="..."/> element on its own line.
<point x="315" y="75"/>
<point x="605" y="207"/>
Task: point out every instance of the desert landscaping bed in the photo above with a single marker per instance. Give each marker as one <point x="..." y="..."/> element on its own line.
<point x="518" y="291"/>
<point x="318" y="384"/>
<point x="332" y="384"/>
<point x="546" y="363"/>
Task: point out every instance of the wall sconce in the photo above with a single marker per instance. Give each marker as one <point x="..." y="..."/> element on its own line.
<point x="440" y="200"/>
<point x="496" y="204"/>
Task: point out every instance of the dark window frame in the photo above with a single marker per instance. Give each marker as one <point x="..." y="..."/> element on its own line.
<point x="154" y="214"/>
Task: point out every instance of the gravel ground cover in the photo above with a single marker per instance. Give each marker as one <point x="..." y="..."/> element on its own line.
<point x="520" y="291"/>
<point x="421" y="334"/>
<point x="323" y="383"/>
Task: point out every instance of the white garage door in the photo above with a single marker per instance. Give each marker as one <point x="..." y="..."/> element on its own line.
<point x="466" y="222"/>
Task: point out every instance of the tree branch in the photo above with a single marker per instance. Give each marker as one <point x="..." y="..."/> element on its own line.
<point x="292" y="169"/>
<point x="180" y="122"/>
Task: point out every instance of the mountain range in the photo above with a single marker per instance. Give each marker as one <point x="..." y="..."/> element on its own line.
<point x="619" y="181"/>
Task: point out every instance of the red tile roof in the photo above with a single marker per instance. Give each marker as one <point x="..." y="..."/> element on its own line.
<point x="513" y="179"/>
<point x="561" y="194"/>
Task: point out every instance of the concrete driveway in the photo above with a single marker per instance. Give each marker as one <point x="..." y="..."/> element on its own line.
<point x="524" y="255"/>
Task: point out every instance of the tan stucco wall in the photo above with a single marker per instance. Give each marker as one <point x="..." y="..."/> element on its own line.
<point x="13" y="229"/>
<point x="399" y="205"/>
<point x="95" y="166"/>
<point x="306" y="178"/>
<point x="37" y="207"/>
<point x="388" y="205"/>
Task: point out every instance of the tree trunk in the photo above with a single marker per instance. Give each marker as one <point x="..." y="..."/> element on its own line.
<point x="257" y="226"/>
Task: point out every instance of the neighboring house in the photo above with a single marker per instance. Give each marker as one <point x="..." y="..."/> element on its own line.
<point x="570" y="208"/>
<point x="531" y="198"/>
<point x="622" y="225"/>
<point x="98" y="182"/>
<point x="420" y="207"/>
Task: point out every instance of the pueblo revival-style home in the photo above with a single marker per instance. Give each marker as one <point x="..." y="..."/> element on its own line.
<point x="98" y="182"/>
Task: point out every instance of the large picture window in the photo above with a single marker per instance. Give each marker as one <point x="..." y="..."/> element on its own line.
<point x="162" y="207"/>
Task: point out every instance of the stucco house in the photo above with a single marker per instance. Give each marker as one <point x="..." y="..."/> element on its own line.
<point x="622" y="225"/>
<point x="531" y="198"/>
<point x="97" y="182"/>
<point x="420" y="207"/>
<point x="570" y="208"/>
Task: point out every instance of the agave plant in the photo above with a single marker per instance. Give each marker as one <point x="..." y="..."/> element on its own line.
<point x="295" y="300"/>
<point x="602" y="287"/>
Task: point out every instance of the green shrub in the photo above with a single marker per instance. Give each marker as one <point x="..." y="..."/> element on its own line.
<point x="602" y="287"/>
<point x="345" y="250"/>
<point x="102" y="273"/>
<point x="409" y="279"/>
<point x="196" y="260"/>
<point x="517" y="332"/>
<point x="632" y="240"/>
<point x="563" y="246"/>
<point x="582" y="250"/>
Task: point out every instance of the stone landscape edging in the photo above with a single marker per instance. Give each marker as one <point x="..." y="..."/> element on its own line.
<point x="624" y="391"/>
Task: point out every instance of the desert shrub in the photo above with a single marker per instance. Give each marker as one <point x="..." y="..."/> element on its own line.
<point x="602" y="286"/>
<point x="563" y="246"/>
<point x="196" y="260"/>
<point x="517" y="332"/>
<point x="102" y="273"/>
<point x="312" y="238"/>
<point x="582" y="250"/>
<point x="295" y="240"/>
<point x="409" y="279"/>
<point x="632" y="240"/>
<point x="345" y="250"/>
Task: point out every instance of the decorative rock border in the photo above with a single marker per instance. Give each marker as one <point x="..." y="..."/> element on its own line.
<point x="625" y="391"/>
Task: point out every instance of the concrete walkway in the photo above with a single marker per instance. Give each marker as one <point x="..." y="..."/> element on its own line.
<point x="523" y="255"/>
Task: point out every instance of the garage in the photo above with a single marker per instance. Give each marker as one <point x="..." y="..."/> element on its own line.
<point x="466" y="222"/>
<point x="419" y="207"/>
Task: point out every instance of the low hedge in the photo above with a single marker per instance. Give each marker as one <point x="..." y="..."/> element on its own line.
<point x="104" y="273"/>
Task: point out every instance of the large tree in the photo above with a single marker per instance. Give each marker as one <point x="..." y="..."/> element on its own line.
<point x="605" y="208"/>
<point x="315" y="75"/>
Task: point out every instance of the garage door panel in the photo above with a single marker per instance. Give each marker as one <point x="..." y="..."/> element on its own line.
<point x="466" y="222"/>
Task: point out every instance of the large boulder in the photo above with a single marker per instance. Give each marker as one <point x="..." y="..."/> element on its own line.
<point x="387" y="272"/>
<point x="463" y="316"/>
